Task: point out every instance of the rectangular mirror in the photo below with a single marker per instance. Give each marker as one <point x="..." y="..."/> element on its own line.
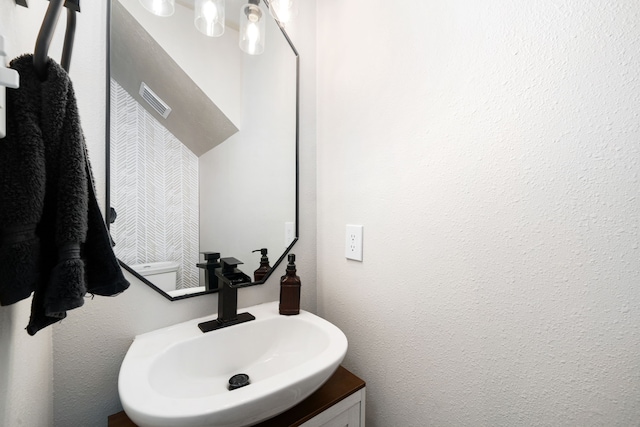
<point x="202" y="145"/>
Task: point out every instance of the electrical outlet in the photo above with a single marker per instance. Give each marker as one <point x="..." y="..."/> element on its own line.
<point x="289" y="233"/>
<point x="353" y="242"/>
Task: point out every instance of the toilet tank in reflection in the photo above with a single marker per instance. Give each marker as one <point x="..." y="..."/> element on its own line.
<point x="162" y="274"/>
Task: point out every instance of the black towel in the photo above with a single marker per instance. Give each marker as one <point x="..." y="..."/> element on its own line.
<point x="53" y="240"/>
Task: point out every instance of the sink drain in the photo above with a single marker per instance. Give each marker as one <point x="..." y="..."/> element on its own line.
<point x="238" y="380"/>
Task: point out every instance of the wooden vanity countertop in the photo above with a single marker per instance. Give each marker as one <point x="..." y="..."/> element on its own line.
<point x="341" y="385"/>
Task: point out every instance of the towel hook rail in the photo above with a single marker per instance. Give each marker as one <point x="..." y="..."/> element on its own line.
<point x="70" y="4"/>
<point x="69" y="36"/>
<point x="45" y="35"/>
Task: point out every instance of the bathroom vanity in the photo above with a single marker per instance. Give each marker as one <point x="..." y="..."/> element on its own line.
<point x="340" y="402"/>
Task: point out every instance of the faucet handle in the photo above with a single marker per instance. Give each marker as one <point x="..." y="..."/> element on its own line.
<point x="230" y="263"/>
<point x="211" y="255"/>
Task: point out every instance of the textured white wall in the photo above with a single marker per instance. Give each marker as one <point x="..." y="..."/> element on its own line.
<point x="26" y="371"/>
<point x="490" y="149"/>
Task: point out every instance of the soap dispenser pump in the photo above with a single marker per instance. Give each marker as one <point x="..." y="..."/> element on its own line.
<point x="264" y="268"/>
<point x="290" y="289"/>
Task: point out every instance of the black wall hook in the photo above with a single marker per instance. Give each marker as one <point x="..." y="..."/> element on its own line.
<point x="72" y="5"/>
<point x="69" y="4"/>
<point x="40" y="53"/>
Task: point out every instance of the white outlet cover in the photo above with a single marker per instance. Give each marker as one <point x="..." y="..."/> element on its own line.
<point x="353" y="242"/>
<point x="289" y="233"/>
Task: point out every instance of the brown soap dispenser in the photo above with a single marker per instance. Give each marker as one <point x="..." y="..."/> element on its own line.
<point x="290" y="289"/>
<point x="264" y="268"/>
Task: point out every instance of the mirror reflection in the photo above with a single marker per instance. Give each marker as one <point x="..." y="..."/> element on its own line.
<point x="203" y="146"/>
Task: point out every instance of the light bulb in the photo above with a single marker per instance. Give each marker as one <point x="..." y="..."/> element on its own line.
<point x="159" y="7"/>
<point x="253" y="37"/>
<point x="283" y="10"/>
<point x="209" y="17"/>
<point x="252" y="28"/>
<point x="209" y="11"/>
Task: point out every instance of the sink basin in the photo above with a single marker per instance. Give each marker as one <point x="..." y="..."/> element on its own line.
<point x="179" y="376"/>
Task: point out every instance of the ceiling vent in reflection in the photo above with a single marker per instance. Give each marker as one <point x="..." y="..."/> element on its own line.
<point x="156" y="103"/>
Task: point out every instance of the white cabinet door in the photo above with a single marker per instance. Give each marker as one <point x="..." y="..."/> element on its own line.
<point x="349" y="418"/>
<point x="348" y="412"/>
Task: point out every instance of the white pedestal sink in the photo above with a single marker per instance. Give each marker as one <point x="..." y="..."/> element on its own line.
<point x="178" y="376"/>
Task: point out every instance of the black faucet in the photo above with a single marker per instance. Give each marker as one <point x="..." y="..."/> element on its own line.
<point x="210" y="265"/>
<point x="230" y="278"/>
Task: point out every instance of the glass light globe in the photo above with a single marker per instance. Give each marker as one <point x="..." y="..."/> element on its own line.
<point x="209" y="17"/>
<point x="252" y="30"/>
<point x="283" y="10"/>
<point x="159" y="7"/>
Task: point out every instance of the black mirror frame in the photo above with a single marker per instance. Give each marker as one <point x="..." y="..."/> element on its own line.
<point x="108" y="210"/>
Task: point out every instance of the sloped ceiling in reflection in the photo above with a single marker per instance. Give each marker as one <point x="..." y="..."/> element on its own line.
<point x="136" y="57"/>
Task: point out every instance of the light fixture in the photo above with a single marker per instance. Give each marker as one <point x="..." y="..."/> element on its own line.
<point x="209" y="17"/>
<point x="283" y="10"/>
<point x="159" y="7"/>
<point x="252" y="30"/>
